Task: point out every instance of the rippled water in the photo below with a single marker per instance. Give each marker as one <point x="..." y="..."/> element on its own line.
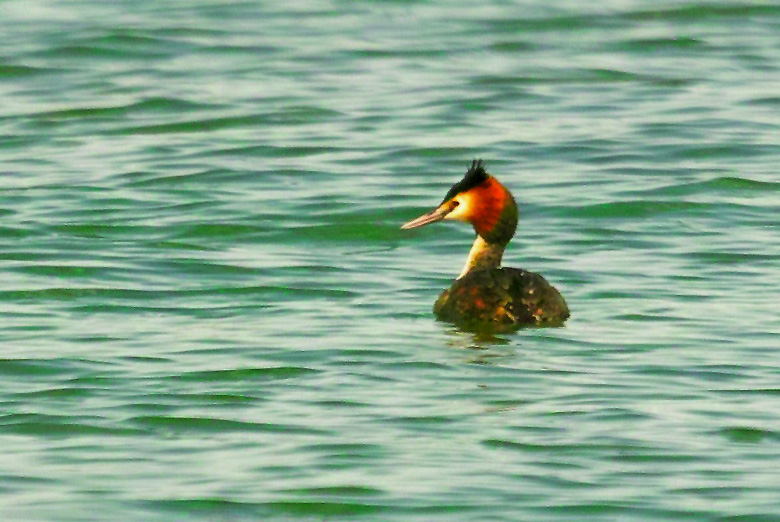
<point x="209" y="311"/>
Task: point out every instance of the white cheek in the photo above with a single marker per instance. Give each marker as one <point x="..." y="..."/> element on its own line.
<point x="463" y="211"/>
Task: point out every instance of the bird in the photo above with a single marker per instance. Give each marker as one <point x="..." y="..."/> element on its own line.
<point x="487" y="296"/>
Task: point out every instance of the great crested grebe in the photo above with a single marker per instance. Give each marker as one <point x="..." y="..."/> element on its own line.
<point x="486" y="294"/>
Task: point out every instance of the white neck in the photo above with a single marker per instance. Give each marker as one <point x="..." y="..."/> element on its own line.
<point x="483" y="255"/>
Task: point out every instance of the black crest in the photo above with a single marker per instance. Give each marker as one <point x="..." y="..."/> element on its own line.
<point x="476" y="175"/>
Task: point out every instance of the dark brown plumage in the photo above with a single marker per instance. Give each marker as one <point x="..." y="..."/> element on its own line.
<point x="501" y="299"/>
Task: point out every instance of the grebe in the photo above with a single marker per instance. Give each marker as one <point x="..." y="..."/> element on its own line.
<point x="485" y="295"/>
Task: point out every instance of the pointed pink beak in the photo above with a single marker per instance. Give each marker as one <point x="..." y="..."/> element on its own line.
<point x="433" y="216"/>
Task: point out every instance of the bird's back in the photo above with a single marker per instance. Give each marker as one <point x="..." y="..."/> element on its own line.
<point x="501" y="299"/>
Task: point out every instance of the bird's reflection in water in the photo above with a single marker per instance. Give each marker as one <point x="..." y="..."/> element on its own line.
<point x="486" y="349"/>
<point x="482" y="347"/>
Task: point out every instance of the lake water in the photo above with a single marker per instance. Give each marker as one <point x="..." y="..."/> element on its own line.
<point x="209" y="312"/>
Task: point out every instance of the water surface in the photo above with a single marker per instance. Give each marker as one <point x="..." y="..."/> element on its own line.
<point x="209" y="311"/>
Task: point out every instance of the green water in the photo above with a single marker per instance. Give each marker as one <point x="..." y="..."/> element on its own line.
<point x="209" y="312"/>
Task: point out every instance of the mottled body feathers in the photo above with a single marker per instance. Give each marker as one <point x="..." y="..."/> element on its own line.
<point x="501" y="299"/>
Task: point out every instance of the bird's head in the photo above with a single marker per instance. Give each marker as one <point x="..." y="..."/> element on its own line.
<point x="478" y="199"/>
